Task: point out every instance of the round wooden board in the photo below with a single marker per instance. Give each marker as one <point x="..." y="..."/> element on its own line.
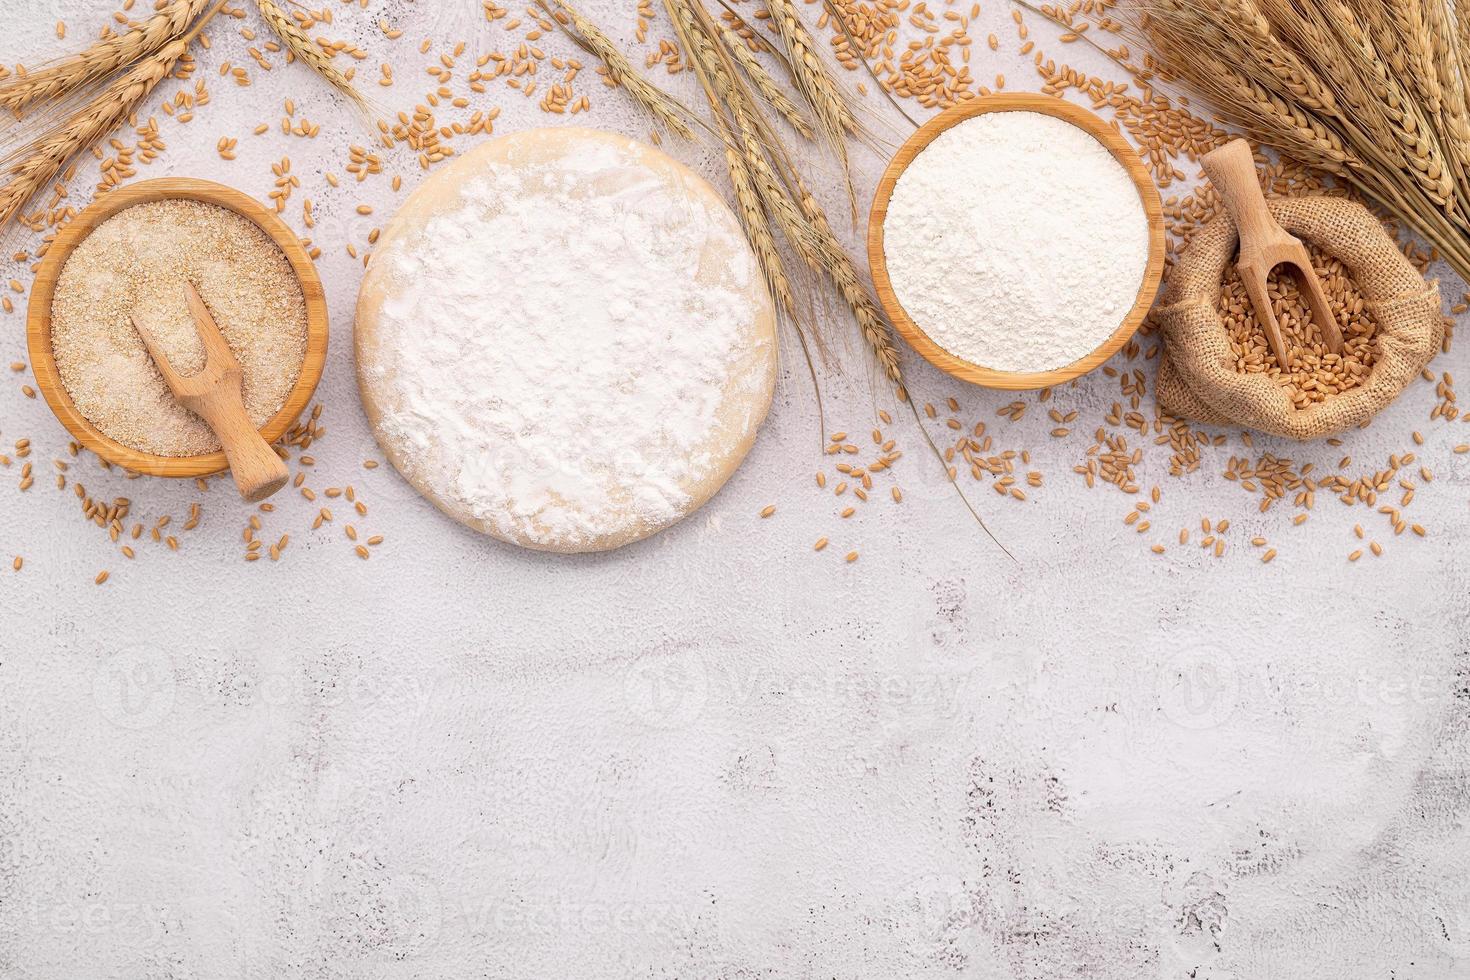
<point x="38" y="320"/>
<point x="1121" y="150"/>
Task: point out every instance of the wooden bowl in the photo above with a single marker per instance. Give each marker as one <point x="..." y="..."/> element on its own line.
<point x="38" y="320"/>
<point x="1121" y="150"/>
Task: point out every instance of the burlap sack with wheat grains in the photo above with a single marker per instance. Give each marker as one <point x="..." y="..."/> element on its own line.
<point x="1197" y="379"/>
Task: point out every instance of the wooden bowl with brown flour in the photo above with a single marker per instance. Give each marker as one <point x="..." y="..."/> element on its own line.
<point x="289" y="272"/>
<point x="1016" y="241"/>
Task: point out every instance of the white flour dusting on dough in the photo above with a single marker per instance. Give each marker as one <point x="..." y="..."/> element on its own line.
<point x="559" y="346"/>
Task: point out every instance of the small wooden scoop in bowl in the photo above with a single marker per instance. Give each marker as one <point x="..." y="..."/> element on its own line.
<point x="216" y="394"/>
<point x="1264" y="245"/>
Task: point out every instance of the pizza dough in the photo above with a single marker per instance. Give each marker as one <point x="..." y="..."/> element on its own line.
<point x="564" y="340"/>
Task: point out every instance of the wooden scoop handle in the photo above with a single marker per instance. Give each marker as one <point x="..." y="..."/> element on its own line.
<point x="215" y="394"/>
<point x="1232" y="169"/>
<point x="257" y="470"/>
<point x="1263" y="242"/>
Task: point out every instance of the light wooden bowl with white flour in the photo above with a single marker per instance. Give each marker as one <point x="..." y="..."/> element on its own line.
<point x="564" y="341"/>
<point x="1016" y="241"/>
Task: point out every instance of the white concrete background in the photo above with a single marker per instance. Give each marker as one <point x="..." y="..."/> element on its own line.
<point x="717" y="754"/>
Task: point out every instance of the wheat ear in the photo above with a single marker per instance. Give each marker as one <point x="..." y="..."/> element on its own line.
<point x="724" y="92"/>
<point x="768" y="259"/>
<point x="834" y="112"/>
<point x="1408" y="130"/>
<point x="1462" y="33"/>
<point x="300" y="44"/>
<point x="1454" y="112"/>
<point x="102" y="59"/>
<point x="768" y="186"/>
<point x="763" y="82"/>
<point x="662" y="107"/>
<point x="35" y="165"/>
<point x="834" y="115"/>
<point x="1378" y="134"/>
<point x="1424" y="32"/>
<point x="729" y="96"/>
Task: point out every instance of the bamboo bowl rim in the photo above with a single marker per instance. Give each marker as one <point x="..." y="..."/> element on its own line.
<point x="38" y="320"/>
<point x="1089" y="123"/>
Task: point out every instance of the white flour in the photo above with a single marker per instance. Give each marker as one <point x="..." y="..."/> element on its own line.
<point x="557" y="353"/>
<point x="1016" y="241"/>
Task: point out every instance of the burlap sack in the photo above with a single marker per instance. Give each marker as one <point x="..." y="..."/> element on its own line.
<point x="1197" y="379"/>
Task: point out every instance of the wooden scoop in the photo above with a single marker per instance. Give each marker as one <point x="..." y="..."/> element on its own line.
<point x="215" y="395"/>
<point x="1264" y="245"/>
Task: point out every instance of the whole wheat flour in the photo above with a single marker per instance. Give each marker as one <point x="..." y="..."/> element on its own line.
<point x="139" y="260"/>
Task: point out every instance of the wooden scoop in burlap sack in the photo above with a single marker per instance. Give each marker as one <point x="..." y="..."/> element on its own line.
<point x="1198" y="380"/>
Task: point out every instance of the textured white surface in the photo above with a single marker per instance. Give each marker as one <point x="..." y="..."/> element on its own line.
<point x="715" y="753"/>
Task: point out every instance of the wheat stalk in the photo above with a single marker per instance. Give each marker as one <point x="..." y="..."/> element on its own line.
<point x="1372" y="91"/>
<point x="1403" y="118"/>
<point x="1424" y="31"/>
<point x="109" y="55"/>
<point x="36" y="164"/>
<point x="1407" y="35"/>
<point x="729" y="96"/>
<point x="763" y="82"/>
<point x="1280" y="61"/>
<point x="751" y="203"/>
<point x="662" y="107"/>
<point x="758" y="189"/>
<point x="768" y="259"/>
<point x="834" y="115"/>
<point x="300" y="44"/>
<point x="1462" y="34"/>
<point x="758" y="231"/>
<point x="863" y="56"/>
<point x="767" y="187"/>
<point x="780" y="192"/>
